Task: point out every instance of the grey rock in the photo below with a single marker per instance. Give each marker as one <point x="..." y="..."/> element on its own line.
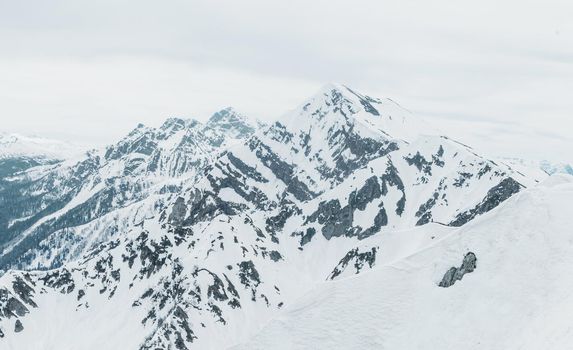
<point x="282" y="170"/>
<point x="178" y="212"/>
<point x="18" y="326"/>
<point x="24" y="291"/>
<point x="338" y="221"/>
<point x="496" y="195"/>
<point x="248" y="274"/>
<point x="275" y="256"/>
<point x="420" y="163"/>
<point x="307" y="237"/>
<point x="360" y="260"/>
<point x="392" y="178"/>
<point x="455" y="274"/>
<point x="10" y="306"/>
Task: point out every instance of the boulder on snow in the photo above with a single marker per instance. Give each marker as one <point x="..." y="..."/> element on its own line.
<point x="457" y="273"/>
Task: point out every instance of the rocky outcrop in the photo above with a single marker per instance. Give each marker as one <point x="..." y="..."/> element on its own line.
<point x="338" y="221"/>
<point x="497" y="194"/>
<point x="455" y="274"/>
<point x="360" y="259"/>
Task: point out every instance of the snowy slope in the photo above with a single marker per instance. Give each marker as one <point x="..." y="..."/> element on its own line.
<point x="341" y="184"/>
<point x="518" y="296"/>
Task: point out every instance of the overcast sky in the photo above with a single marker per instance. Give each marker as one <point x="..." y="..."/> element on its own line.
<point x="495" y="74"/>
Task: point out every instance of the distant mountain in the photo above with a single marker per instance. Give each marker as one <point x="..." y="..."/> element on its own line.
<point x="539" y="168"/>
<point x="227" y="125"/>
<point x="196" y="236"/>
<point x="18" y="152"/>
<point x="55" y="212"/>
<point x="15" y="145"/>
<point x="556" y="168"/>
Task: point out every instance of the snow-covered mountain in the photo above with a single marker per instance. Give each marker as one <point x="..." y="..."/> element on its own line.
<point x="52" y="213"/>
<point x="19" y="152"/>
<point x="275" y="225"/>
<point x="556" y="168"/>
<point x="16" y="145"/>
<point x="539" y="168"/>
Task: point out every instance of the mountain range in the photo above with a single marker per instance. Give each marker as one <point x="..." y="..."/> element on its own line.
<point x="19" y="152"/>
<point x="346" y="223"/>
<point x="57" y="211"/>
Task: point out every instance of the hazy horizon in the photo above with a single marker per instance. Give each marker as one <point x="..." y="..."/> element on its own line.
<point x="89" y="72"/>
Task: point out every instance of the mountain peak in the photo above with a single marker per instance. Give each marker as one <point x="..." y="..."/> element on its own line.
<point x="230" y="123"/>
<point x="175" y="124"/>
<point x="340" y="99"/>
<point x="339" y="90"/>
<point x="335" y="105"/>
<point x="328" y="87"/>
<point x="226" y="115"/>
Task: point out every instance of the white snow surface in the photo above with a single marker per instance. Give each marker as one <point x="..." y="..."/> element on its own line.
<point x="518" y="297"/>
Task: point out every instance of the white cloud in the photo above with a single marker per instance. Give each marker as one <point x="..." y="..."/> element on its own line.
<point x="77" y="68"/>
<point x="101" y="100"/>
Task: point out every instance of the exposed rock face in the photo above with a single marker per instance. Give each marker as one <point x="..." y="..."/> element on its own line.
<point x="18" y="326"/>
<point x="360" y="259"/>
<point x="228" y="123"/>
<point x="178" y="212"/>
<point x="455" y="274"/>
<point x="11" y="306"/>
<point x="282" y="170"/>
<point x="497" y="194"/>
<point x="307" y="237"/>
<point x="338" y="221"/>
